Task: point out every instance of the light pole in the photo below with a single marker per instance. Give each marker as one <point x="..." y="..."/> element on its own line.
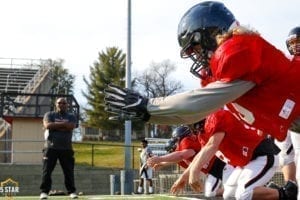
<point x="127" y="174"/>
<point x="128" y="85"/>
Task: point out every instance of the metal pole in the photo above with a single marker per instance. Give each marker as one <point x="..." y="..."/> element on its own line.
<point x="128" y="85"/>
<point x="122" y="181"/>
<point x="132" y="148"/>
<point x="93" y="155"/>
<point x="112" y="184"/>
<point x="127" y="181"/>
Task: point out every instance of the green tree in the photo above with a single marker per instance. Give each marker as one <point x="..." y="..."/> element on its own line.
<point x="63" y="81"/>
<point x="109" y="68"/>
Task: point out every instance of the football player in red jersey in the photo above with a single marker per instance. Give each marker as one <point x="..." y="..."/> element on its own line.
<point x="287" y="153"/>
<point x="293" y="45"/>
<point x="239" y="69"/>
<point x="186" y="147"/>
<point x="253" y="154"/>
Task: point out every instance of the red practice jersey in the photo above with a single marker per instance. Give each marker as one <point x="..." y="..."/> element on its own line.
<point x="274" y="102"/>
<point x="202" y="139"/>
<point x="188" y="142"/>
<point x="192" y="142"/>
<point x="239" y="142"/>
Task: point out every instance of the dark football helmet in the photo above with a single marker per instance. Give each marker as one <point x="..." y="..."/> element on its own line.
<point x="293" y="41"/>
<point x="199" y="26"/>
<point x="181" y="132"/>
<point x="171" y="145"/>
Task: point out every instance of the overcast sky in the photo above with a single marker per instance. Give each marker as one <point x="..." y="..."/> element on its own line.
<point x="77" y="30"/>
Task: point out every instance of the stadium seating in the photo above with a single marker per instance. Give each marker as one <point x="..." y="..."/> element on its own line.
<point x="15" y="80"/>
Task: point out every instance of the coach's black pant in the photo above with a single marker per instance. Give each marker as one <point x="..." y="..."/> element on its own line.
<point x="66" y="160"/>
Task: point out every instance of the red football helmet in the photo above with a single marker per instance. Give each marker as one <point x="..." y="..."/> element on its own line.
<point x="293" y="41"/>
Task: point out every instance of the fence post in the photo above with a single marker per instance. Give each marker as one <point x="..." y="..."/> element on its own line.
<point x="112" y="184"/>
<point x="126" y="180"/>
<point x="93" y="155"/>
<point x="132" y="147"/>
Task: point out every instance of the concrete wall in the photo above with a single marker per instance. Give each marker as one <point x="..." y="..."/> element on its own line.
<point x="88" y="180"/>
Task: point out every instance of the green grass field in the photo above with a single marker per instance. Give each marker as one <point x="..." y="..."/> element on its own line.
<point x="106" y="154"/>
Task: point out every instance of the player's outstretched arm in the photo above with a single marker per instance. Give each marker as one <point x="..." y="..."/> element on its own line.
<point x="192" y="106"/>
<point x="182" y="108"/>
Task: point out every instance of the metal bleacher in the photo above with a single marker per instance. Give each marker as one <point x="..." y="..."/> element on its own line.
<point x="157" y="145"/>
<point x="18" y="78"/>
<point x="21" y="75"/>
<point x="15" y="80"/>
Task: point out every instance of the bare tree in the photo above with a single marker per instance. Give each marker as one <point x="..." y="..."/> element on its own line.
<point x="156" y="80"/>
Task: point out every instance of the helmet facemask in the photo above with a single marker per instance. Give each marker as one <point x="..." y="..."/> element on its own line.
<point x="171" y="145"/>
<point x="293" y="41"/>
<point x="206" y="39"/>
<point x="198" y="127"/>
<point x="293" y="44"/>
<point x="200" y="68"/>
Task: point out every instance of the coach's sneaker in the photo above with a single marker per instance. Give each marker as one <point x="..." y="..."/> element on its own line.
<point x="73" y="196"/>
<point x="288" y="191"/>
<point x="44" y="195"/>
